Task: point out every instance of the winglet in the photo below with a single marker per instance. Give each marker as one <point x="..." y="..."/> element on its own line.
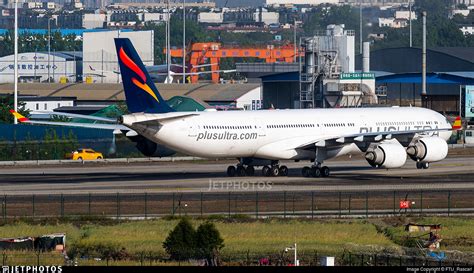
<point x="18" y="116"/>
<point x="457" y="123"/>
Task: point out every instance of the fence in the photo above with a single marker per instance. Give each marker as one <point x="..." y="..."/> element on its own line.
<point x="306" y="258"/>
<point x="233" y="204"/>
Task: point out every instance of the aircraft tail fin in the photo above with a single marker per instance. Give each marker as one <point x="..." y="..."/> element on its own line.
<point x="140" y="92"/>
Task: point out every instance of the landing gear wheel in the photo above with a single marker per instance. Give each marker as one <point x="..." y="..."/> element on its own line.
<point x="306" y="171"/>
<point x="283" y="170"/>
<point x="274" y="171"/>
<point x="266" y="171"/>
<point x="250" y="171"/>
<point x="422" y="165"/>
<point x="315" y="171"/>
<point x="325" y="172"/>
<point x="231" y="171"/>
<point x="241" y="171"/>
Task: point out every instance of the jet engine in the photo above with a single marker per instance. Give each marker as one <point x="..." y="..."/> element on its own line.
<point x="150" y="148"/>
<point x="428" y="149"/>
<point x="386" y="155"/>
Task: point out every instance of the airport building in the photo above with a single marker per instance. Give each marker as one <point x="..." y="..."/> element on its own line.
<point x="100" y="57"/>
<point x="40" y="67"/>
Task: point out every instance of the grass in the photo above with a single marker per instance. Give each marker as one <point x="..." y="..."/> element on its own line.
<point x="262" y="237"/>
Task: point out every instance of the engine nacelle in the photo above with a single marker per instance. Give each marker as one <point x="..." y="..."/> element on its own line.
<point x="387" y="155"/>
<point x="428" y="149"/>
<point x="151" y="149"/>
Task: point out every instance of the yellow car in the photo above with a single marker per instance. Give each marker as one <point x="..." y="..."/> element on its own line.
<point x="85" y="154"/>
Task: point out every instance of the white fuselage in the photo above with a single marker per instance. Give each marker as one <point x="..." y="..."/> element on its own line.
<point x="277" y="134"/>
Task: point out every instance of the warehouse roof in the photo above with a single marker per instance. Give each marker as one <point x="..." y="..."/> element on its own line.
<point x="408" y="60"/>
<point x="114" y="92"/>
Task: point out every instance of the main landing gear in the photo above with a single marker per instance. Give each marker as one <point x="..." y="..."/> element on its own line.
<point x="316" y="171"/>
<point x="267" y="170"/>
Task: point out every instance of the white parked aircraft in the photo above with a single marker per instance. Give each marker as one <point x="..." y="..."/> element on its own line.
<point x="263" y="138"/>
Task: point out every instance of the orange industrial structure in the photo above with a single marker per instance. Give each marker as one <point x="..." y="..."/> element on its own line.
<point x="201" y="52"/>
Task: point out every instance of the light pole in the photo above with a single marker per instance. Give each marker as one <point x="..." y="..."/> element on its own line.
<point x="49" y="48"/>
<point x="295" y="40"/>
<point x="168" y="42"/>
<point x="15" y="63"/>
<point x="360" y="26"/>
<point x="409" y="16"/>
<point x="184" y="41"/>
<point x="295" y="253"/>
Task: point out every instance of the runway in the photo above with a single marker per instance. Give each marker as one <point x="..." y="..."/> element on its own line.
<point x="455" y="173"/>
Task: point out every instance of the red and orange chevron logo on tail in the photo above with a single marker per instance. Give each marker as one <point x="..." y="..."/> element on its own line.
<point x="134" y="67"/>
<point x="457" y="124"/>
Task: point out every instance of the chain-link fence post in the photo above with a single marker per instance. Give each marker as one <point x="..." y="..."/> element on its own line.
<point x="62" y="205"/>
<point x="229" y="204"/>
<point x="202" y="197"/>
<point x="5" y="208"/>
<point x="340" y="204"/>
<point x="312" y="205"/>
<point x="293" y="203"/>
<point x="118" y="206"/>
<point x="146" y="205"/>
<point x="366" y="204"/>
<point x="421" y="203"/>
<point x="284" y="204"/>
<point x="256" y="204"/>
<point x="89" y="204"/>
<point x="449" y="202"/>
<point x="350" y="200"/>
<point x="172" y="209"/>
<point x="394" y="202"/>
<point x="33" y="206"/>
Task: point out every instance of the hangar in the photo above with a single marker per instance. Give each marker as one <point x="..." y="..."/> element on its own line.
<point x="398" y="76"/>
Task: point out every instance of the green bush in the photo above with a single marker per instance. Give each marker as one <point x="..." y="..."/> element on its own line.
<point x="184" y="242"/>
<point x="208" y="243"/>
<point x="181" y="241"/>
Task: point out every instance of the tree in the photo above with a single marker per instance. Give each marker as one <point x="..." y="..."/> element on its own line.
<point x="181" y="241"/>
<point x="6" y="104"/>
<point x="208" y="243"/>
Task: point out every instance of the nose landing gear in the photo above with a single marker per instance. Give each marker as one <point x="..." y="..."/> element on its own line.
<point x="420" y="165"/>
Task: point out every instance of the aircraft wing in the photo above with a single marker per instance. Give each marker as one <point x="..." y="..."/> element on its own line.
<point x="368" y="137"/>
<point x="70" y="115"/>
<point x="116" y="127"/>
<point x="212" y="71"/>
<point x="156" y="68"/>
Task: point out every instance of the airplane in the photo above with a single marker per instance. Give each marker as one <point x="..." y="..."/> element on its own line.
<point x="265" y="137"/>
<point x="160" y="72"/>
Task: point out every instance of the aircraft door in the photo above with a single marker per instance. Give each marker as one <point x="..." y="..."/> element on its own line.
<point x="193" y="128"/>
<point x="260" y="128"/>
